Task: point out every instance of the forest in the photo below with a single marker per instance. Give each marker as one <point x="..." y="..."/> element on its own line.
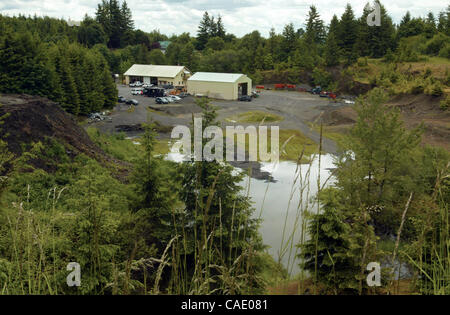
<point x="190" y="228"/>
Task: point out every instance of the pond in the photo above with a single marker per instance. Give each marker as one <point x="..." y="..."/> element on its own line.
<point x="279" y="203"/>
<point x="280" y="199"/>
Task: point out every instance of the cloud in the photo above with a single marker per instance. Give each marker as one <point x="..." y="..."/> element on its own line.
<point x="239" y="16"/>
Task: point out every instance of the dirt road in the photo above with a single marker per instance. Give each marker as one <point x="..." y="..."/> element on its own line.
<point x="297" y="109"/>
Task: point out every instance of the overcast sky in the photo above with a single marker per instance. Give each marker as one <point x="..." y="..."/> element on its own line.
<point x="240" y="16"/>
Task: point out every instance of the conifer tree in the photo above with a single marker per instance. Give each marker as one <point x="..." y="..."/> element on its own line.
<point x="203" y="32"/>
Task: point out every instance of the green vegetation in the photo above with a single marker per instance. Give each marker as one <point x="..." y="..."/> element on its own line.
<point x="151" y="226"/>
<point x="386" y="185"/>
<point x="256" y="117"/>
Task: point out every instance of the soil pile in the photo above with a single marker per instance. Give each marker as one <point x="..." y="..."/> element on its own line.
<point x="30" y="119"/>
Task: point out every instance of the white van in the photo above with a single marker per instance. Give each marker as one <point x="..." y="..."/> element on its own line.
<point x="136" y="91"/>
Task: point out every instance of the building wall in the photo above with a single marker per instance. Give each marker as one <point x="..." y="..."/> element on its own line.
<point x="219" y="90"/>
<point x="244" y="79"/>
<point x="179" y="80"/>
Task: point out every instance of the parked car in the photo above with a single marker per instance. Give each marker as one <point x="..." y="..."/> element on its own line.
<point x="147" y="85"/>
<point x="136" y="84"/>
<point x="245" y="98"/>
<point x="161" y="100"/>
<point x="183" y="94"/>
<point x="96" y="117"/>
<point x="132" y="102"/>
<point x="175" y="98"/>
<point x="169" y="99"/>
<point x="137" y="91"/>
<point x="316" y="90"/>
<point x="121" y="99"/>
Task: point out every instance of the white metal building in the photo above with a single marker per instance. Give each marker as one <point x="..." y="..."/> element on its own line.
<point x="227" y="86"/>
<point x="158" y="75"/>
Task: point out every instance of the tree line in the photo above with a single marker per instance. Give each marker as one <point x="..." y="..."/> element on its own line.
<point x="112" y="34"/>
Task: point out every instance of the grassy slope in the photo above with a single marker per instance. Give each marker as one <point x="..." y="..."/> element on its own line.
<point x="255" y="117"/>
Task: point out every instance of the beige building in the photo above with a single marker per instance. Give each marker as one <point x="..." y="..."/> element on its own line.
<point x="226" y="86"/>
<point x="158" y="75"/>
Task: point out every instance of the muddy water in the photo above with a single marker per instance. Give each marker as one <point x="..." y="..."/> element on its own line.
<point x="279" y="202"/>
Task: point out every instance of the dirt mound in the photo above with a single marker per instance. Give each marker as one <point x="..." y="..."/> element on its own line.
<point x="414" y="109"/>
<point x="31" y="119"/>
<point x="417" y="109"/>
<point x="341" y="116"/>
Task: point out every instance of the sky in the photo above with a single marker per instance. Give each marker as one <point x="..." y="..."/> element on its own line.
<point x="240" y="17"/>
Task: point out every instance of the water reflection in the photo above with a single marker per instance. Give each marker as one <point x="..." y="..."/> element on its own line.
<point x="279" y="202"/>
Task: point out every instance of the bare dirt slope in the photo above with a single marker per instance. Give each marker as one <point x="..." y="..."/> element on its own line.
<point x="31" y="119"/>
<point x="414" y="109"/>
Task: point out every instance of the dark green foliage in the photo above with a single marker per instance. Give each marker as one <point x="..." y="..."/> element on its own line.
<point x="76" y="77"/>
<point x="208" y="29"/>
<point x="347" y="34"/>
<point x="116" y="21"/>
<point x="91" y="32"/>
<point x="315" y="29"/>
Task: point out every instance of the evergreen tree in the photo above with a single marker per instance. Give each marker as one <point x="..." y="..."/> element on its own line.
<point x="331" y="53"/>
<point x="109" y="89"/>
<point x="347" y="35"/>
<point x="212" y="197"/>
<point x="289" y="40"/>
<point x="375" y="41"/>
<point x="220" y="28"/>
<point x="91" y="32"/>
<point x="315" y="30"/>
<point x="203" y="32"/>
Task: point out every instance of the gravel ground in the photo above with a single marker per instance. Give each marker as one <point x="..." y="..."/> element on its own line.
<point x="297" y="109"/>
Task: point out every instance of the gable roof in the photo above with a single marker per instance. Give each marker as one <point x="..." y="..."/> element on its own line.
<point x="216" y="77"/>
<point x="154" y="71"/>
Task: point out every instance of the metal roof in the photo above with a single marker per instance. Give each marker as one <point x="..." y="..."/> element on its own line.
<point x="216" y="77"/>
<point x="154" y="71"/>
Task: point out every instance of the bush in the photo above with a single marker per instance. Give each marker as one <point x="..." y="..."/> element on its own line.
<point x="445" y="51"/>
<point x="434" y="89"/>
<point x="445" y="103"/>
<point x="362" y="62"/>
<point x="417" y="88"/>
<point x="322" y="78"/>
<point x="434" y="45"/>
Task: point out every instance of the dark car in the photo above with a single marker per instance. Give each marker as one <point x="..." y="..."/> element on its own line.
<point x="161" y="100"/>
<point x="316" y="90"/>
<point x="132" y="102"/>
<point x="245" y="98"/>
<point x="122" y="99"/>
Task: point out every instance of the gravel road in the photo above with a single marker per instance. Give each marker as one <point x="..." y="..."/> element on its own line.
<point x="298" y="109"/>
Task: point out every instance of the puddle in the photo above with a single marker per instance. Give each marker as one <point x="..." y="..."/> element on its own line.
<point x="276" y="201"/>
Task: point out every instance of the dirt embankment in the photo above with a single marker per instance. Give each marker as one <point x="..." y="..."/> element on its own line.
<point x="414" y="109"/>
<point x="304" y="78"/>
<point x="31" y="119"/>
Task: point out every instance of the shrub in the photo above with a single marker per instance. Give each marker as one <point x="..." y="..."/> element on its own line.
<point x="434" y="89"/>
<point x="434" y="45"/>
<point x="445" y="51"/>
<point x="445" y="103"/>
<point x="362" y="62"/>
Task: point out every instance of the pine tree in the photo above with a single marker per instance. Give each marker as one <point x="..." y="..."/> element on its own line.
<point x="127" y="24"/>
<point x="331" y="53"/>
<point x="376" y="41"/>
<point x="220" y="28"/>
<point x="347" y="34"/>
<point x="109" y="90"/>
<point x="289" y="39"/>
<point x="315" y="30"/>
<point x="203" y="32"/>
